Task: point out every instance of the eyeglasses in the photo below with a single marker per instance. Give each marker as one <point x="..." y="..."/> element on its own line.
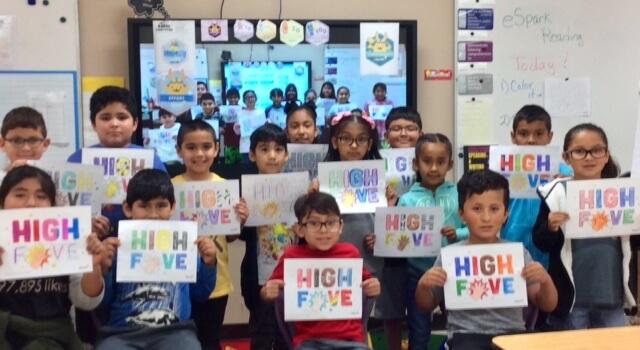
<point x="31" y="142"/>
<point x="331" y="225"/>
<point x="579" y="154"/>
<point x="348" y="140"/>
<point x="407" y="129"/>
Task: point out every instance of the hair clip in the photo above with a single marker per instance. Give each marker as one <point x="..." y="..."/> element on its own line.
<point x="346" y="114"/>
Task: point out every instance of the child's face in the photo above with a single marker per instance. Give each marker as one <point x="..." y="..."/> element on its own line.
<point x="276" y="99"/>
<point x="291" y="94"/>
<point x="311" y="97"/>
<point x="233" y="100"/>
<point x="201" y="89"/>
<point x="269" y="157"/>
<point x="433" y="163"/>
<point x="484" y="214"/>
<point x="353" y="142"/>
<point x="301" y="128"/>
<point x="343" y="96"/>
<point x="403" y="133"/>
<point x="250" y="101"/>
<point x="115" y="125"/>
<point x="208" y="106"/>
<point x="156" y="209"/>
<point x="198" y="151"/>
<point x="27" y="193"/>
<point x="168" y="120"/>
<point x="588" y="167"/>
<point x="380" y="94"/>
<point x="320" y="231"/>
<point x="531" y="134"/>
<point x="326" y="90"/>
<point x="24" y="143"/>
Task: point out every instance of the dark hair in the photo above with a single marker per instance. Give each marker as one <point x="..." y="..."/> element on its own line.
<point x="149" y="184"/>
<point x="611" y="168"/>
<point x="244" y="94"/>
<point x="432" y="138"/>
<point x="333" y="90"/>
<point x="267" y="133"/>
<point x="233" y="92"/>
<point x="479" y="182"/>
<point x="163" y="111"/>
<point x="383" y="86"/>
<point x="334" y="130"/>
<point x="207" y="96"/>
<point x="203" y="83"/>
<point x="406" y="113"/>
<point x="23" y="117"/>
<point x="292" y="87"/>
<point x="306" y="108"/>
<point x="275" y="92"/>
<point x="191" y="126"/>
<point x="530" y="114"/>
<point x="107" y="95"/>
<point x="320" y="202"/>
<point x="345" y="88"/>
<point x="19" y="173"/>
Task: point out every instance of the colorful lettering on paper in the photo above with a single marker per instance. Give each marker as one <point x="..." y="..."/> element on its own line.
<point x="171" y="246"/>
<point x="74" y="188"/>
<point x="122" y="167"/>
<point x="324" y="289"/>
<point x="406" y="231"/>
<point x="606" y="207"/>
<point x="207" y="207"/>
<point x="526" y="171"/>
<point x="482" y="276"/>
<point x="358" y="186"/>
<point x="42" y="243"/>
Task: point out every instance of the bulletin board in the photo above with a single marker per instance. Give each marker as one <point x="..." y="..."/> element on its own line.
<point x="577" y="58"/>
<point x="40" y="67"/>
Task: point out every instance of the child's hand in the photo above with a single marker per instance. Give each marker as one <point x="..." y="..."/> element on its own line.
<point x="17" y="163"/>
<point x="101" y="226"/>
<point x="207" y="250"/>
<point x="1" y="254"/>
<point x="435" y="277"/>
<point x="450" y="233"/>
<point x="369" y="241"/>
<point x="242" y="211"/>
<point x="96" y="249"/>
<point x="557" y="219"/>
<point x="535" y="272"/>
<point x="271" y="289"/>
<point x="314" y="186"/>
<point x="371" y="287"/>
<point x="392" y="196"/>
<point x="236" y="128"/>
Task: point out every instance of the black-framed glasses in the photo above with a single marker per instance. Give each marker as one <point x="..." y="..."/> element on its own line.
<point x="348" y="140"/>
<point x="408" y="129"/>
<point x="579" y="154"/>
<point x="31" y="141"/>
<point x="330" y="225"/>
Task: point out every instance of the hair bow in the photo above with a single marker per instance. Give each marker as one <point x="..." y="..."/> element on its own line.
<point x="346" y="114"/>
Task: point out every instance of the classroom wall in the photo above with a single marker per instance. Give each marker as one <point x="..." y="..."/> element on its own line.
<point x="103" y="52"/>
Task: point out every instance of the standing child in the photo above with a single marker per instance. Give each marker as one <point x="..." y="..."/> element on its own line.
<point x="301" y="125"/>
<point x="198" y="149"/>
<point x="483" y="197"/>
<point x="231" y="138"/>
<point x="264" y="244"/>
<point x="343" y="104"/>
<point x="275" y="112"/>
<point x="167" y="133"/>
<point x="379" y="99"/>
<point x="433" y="160"/>
<point x="310" y="98"/>
<point x="319" y="217"/>
<point x="403" y="126"/>
<point x="24" y="136"/>
<point x="291" y="95"/>
<point x="592" y="275"/>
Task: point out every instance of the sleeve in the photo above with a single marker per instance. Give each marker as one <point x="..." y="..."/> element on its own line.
<point x="77" y="296"/>
<point x="109" y="287"/>
<point x="75" y="157"/>
<point x="544" y="239"/>
<point x="278" y="271"/>
<point x="205" y="283"/>
<point x="157" y="163"/>
<point x="462" y="233"/>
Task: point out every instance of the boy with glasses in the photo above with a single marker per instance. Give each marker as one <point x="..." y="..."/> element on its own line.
<point x="24" y="136"/>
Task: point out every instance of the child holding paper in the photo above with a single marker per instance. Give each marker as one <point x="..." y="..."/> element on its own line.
<point x="155" y="315"/>
<point x="36" y="315"/>
<point x="321" y="226"/>
<point x="592" y="275"/>
<point x="301" y="125"/>
<point x="379" y="96"/>
<point x="275" y="111"/>
<point x="483" y="197"/>
<point x="231" y="136"/>
<point x="198" y="149"/>
<point x="342" y="104"/>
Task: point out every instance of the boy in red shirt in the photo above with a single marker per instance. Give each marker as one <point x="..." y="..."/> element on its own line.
<point x="321" y="225"/>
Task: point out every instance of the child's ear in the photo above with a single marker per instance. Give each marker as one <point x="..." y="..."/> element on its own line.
<point x="2" y="143"/>
<point x="126" y="209"/>
<point x="414" y="164"/>
<point x="334" y="142"/>
<point x="252" y="156"/>
<point x="135" y="123"/>
<point x="45" y="144"/>
<point x="173" y="207"/>
<point x="450" y="166"/>
<point x="513" y="138"/>
<point x="550" y="136"/>
<point x="286" y="156"/>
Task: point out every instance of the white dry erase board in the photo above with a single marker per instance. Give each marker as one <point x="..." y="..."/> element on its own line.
<point x="577" y="58"/>
<point x="40" y="67"/>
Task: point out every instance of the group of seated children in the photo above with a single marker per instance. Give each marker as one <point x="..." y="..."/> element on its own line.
<point x="575" y="283"/>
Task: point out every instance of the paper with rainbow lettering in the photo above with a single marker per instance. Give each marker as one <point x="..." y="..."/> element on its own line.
<point x="484" y="276"/>
<point x="210" y="204"/>
<point x="322" y="289"/>
<point x="45" y="242"/>
<point x="399" y="168"/>
<point x="118" y="167"/>
<point x="157" y="251"/>
<point x="526" y="167"/>
<point x="358" y="186"/>
<point x="602" y="208"/>
<point x="270" y="197"/>
<point x="408" y="232"/>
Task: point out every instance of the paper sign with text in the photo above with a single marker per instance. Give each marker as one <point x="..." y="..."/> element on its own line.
<point x="602" y="208"/>
<point x="45" y="242"/>
<point x="118" y="167"/>
<point x="305" y="158"/>
<point x="322" y="289"/>
<point x="399" y="168"/>
<point x="379" y="112"/>
<point x="408" y="232"/>
<point x="210" y="204"/>
<point x="76" y="184"/>
<point x="157" y="251"/>
<point x="358" y="186"/>
<point x="270" y="197"/>
<point x="526" y="167"/>
<point x="484" y="276"/>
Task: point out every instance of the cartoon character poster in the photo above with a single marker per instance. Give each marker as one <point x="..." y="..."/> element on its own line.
<point x="322" y="289"/>
<point x="358" y="186"/>
<point x="44" y="242"/>
<point x="118" y="167"/>
<point x="408" y="232"/>
<point x="157" y="251"/>
<point x="379" y="48"/>
<point x="399" y="168"/>
<point x="484" y="276"/>
<point x="272" y="240"/>
<point x="270" y="197"/>
<point x="602" y="208"/>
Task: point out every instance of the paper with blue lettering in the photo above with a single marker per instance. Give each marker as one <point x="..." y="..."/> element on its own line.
<point x="157" y="251"/>
<point x="602" y="208"/>
<point x="484" y="276"/>
<point x="408" y="232"/>
<point x="44" y="242"/>
<point x="399" y="168"/>
<point x="526" y="167"/>
<point x="322" y="289"/>
<point x="358" y="186"/>
<point x="303" y="157"/>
